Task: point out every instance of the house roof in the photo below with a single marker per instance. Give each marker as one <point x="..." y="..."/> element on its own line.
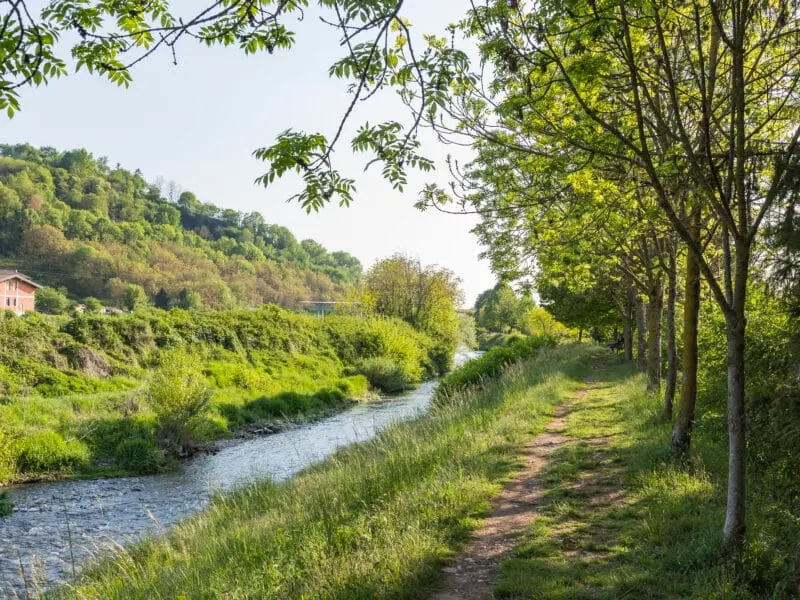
<point x="8" y="274"/>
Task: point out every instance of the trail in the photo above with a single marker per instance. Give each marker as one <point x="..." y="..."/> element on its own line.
<point x="473" y="573"/>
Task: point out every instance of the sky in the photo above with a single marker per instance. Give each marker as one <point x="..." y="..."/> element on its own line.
<point x="198" y="123"/>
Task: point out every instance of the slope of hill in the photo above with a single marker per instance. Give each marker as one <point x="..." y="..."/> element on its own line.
<point x="68" y="219"/>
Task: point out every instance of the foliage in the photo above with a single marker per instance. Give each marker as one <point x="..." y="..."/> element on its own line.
<point x="92" y="305"/>
<point x="384" y="373"/>
<point x="500" y="309"/>
<point x="46" y="451"/>
<point x="467" y="332"/>
<point x="138" y="455"/>
<point x="134" y="297"/>
<point x="51" y="301"/>
<point x="425" y="297"/>
<point x="68" y="219"/>
<point x="491" y="339"/>
<point x="80" y="377"/>
<point x="593" y="309"/>
<point x="773" y="398"/>
<point x="476" y="373"/>
<point x="179" y="395"/>
<point x="537" y="321"/>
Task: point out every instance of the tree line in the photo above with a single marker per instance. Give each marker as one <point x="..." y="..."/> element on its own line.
<point x="69" y="220"/>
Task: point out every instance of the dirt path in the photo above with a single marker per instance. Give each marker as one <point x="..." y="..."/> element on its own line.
<point x="471" y="575"/>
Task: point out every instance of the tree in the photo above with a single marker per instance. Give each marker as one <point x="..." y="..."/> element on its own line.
<point x="189" y="300"/>
<point x="134" y="297"/>
<point x="425" y="297"/>
<point x="92" y="305"/>
<point x="499" y="309"/>
<point x="162" y="299"/>
<point x="673" y="114"/>
<point x="51" y="301"/>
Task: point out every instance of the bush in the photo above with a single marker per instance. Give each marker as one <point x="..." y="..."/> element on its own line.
<point x="384" y="374"/>
<point x="354" y="387"/>
<point x="491" y="364"/>
<point x="138" y="455"/>
<point x="51" y="301"/>
<point x="46" y="451"/>
<point x="491" y="339"/>
<point x="178" y="394"/>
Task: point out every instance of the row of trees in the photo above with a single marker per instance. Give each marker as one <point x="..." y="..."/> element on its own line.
<point x="629" y="150"/>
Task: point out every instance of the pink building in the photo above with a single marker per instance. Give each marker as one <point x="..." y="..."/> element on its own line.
<point x="17" y="291"/>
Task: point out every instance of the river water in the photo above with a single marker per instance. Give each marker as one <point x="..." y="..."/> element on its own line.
<point x="57" y="526"/>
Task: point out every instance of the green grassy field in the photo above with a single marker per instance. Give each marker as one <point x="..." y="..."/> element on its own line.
<point x="74" y="392"/>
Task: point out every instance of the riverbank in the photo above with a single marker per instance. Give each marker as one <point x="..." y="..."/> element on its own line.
<point x="77" y="401"/>
<point x="58" y="525"/>
<point x="614" y="514"/>
<point x="375" y="520"/>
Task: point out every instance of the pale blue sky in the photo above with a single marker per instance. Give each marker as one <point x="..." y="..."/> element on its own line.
<point x="197" y="124"/>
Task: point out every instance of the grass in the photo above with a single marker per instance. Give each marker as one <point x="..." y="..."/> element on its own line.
<point x="72" y="390"/>
<point x="80" y="435"/>
<point x="620" y="519"/>
<point x="376" y="520"/>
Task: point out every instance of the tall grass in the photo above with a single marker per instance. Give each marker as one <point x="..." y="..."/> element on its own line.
<point x="376" y="520"/>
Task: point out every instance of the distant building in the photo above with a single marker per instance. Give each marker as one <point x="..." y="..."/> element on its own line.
<point x="17" y="291"/>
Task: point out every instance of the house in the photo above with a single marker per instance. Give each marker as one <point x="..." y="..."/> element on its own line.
<point x="17" y="291"/>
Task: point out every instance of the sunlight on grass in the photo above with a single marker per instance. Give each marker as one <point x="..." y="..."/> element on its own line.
<point x="377" y="520"/>
<point x="619" y="519"/>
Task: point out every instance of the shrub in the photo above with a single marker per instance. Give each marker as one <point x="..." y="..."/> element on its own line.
<point x="492" y="364"/>
<point x="354" y="386"/>
<point x="51" y="301"/>
<point x="138" y="455"/>
<point x="46" y="451"/>
<point x="384" y="373"/>
<point x="178" y="394"/>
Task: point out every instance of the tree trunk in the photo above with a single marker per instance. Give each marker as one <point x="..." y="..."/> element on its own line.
<point x="655" y="310"/>
<point x="672" y="350"/>
<point x="580" y="335"/>
<point x="682" y="432"/>
<point x="627" y="323"/>
<point x="641" y="343"/>
<point x="733" y="533"/>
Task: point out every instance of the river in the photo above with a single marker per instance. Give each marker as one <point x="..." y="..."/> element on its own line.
<point x="57" y="526"/>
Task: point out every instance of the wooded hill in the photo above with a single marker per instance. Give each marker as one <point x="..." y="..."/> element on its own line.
<point x="69" y="219"/>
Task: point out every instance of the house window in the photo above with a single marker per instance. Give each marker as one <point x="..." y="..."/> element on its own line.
<point x="14" y="284"/>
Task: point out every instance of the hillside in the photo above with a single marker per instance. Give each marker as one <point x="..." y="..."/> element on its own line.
<point x="70" y="220"/>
